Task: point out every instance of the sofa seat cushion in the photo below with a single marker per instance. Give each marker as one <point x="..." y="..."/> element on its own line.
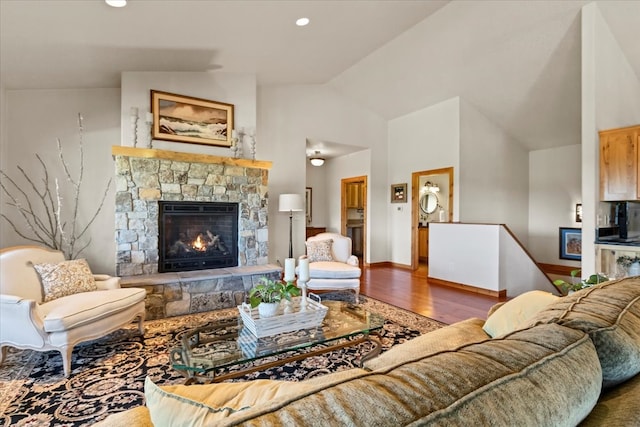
<point x="75" y="310"/>
<point x="447" y="338"/>
<point x="610" y="314"/>
<point x="546" y="375"/>
<point x="333" y="270"/>
<point x="617" y="407"/>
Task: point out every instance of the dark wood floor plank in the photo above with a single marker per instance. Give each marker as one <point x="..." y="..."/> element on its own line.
<point x="411" y="291"/>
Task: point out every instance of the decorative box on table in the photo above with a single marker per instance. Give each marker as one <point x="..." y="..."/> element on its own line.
<point x="311" y="317"/>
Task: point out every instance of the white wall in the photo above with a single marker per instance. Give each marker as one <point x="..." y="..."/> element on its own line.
<point x="316" y="179"/>
<point x="34" y="119"/>
<point x="287" y="117"/>
<point x="493" y="174"/>
<point x="236" y="89"/>
<point x="610" y="99"/>
<point x="554" y="190"/>
<point x="423" y="140"/>
<point x="465" y="253"/>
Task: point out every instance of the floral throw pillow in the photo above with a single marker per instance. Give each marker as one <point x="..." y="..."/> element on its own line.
<point x="65" y="278"/>
<point x="319" y="250"/>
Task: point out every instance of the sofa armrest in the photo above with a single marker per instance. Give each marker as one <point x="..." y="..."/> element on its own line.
<point x="20" y="322"/>
<point x="106" y="282"/>
<point x="353" y="260"/>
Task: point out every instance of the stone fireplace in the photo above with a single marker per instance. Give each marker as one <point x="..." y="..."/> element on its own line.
<point x="197" y="235"/>
<point x="148" y="181"/>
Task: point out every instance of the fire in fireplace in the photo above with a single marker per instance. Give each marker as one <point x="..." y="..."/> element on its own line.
<point x="197" y="235"/>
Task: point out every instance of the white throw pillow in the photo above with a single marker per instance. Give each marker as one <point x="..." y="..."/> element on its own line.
<point x="514" y="314"/>
<point x="65" y="278"/>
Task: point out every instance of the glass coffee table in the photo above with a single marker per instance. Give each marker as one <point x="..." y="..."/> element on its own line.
<point x="207" y="352"/>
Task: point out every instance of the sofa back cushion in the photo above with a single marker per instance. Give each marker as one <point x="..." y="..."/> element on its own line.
<point x="546" y="375"/>
<point x="610" y="314"/>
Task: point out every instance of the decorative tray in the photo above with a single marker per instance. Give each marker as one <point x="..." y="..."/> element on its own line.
<point x="282" y="322"/>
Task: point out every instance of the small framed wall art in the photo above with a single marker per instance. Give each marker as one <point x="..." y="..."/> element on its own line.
<point x="182" y="118"/>
<point x="308" y="203"/>
<point x="399" y="193"/>
<point x="571" y="243"/>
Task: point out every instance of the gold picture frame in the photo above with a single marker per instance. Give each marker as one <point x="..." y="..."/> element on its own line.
<point x="181" y="118"/>
<point x="399" y="193"/>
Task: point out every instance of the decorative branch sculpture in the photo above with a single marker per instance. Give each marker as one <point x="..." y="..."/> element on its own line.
<point x="47" y="220"/>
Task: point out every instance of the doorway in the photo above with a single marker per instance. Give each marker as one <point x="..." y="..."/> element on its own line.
<point x="434" y="181"/>
<point x="353" y="208"/>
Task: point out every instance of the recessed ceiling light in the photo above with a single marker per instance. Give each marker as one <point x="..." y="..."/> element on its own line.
<point x="301" y="22"/>
<point x="116" y="3"/>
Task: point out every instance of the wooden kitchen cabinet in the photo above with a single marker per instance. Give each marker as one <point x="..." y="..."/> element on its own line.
<point x="423" y="243"/>
<point x="619" y="164"/>
<point x="355" y="197"/>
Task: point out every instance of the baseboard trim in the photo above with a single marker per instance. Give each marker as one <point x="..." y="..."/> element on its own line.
<point x="389" y="264"/>
<point x="496" y="294"/>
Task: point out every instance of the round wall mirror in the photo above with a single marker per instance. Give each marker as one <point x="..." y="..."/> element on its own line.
<point x="429" y="203"/>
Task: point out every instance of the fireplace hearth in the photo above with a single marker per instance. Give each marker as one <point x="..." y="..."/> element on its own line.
<point x="197" y="235"/>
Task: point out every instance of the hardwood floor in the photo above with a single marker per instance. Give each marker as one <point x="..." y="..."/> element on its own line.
<point x="411" y="291"/>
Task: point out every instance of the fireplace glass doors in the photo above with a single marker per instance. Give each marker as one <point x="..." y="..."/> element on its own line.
<point x="197" y="235"/>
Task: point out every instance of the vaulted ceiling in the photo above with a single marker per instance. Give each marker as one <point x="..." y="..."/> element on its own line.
<point x="518" y="62"/>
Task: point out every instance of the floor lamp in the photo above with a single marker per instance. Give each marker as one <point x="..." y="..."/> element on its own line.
<point x="290" y="203"/>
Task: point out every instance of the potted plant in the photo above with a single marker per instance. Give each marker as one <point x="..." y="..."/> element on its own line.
<point x="267" y="294"/>
<point x="631" y="264"/>
<point x="575" y="285"/>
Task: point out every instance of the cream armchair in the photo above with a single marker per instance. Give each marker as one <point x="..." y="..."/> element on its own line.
<point x="336" y="270"/>
<point x="27" y="322"/>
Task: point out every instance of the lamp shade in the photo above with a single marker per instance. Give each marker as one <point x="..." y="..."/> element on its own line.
<point x="290" y="203"/>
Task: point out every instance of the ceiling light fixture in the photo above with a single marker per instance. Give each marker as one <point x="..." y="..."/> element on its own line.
<point x="316" y="160"/>
<point x="301" y="22"/>
<point x="116" y="3"/>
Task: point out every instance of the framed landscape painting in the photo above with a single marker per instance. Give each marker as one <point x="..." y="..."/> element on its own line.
<point x="182" y="118"/>
<point x="571" y="243"/>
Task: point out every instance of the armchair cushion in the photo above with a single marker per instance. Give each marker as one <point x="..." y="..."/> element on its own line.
<point x="65" y="278"/>
<point x="319" y="250"/>
<point x="333" y="270"/>
<point x="86" y="307"/>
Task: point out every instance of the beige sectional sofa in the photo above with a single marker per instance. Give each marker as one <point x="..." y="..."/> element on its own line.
<point x="572" y="361"/>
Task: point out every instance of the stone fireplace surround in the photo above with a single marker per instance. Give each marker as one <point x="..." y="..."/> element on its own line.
<point x="146" y="176"/>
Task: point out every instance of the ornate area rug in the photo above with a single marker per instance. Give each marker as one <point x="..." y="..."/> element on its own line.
<point x="108" y="374"/>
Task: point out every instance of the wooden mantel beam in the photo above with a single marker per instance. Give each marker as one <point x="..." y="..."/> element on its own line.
<point x="151" y="153"/>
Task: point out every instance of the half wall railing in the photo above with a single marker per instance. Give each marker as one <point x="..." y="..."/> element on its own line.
<point x="487" y="258"/>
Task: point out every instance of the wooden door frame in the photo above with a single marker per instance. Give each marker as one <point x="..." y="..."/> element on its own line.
<point x="343" y="210"/>
<point x="415" y="210"/>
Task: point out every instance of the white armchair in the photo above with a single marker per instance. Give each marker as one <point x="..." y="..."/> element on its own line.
<point x="339" y="270"/>
<point x="27" y="322"/>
